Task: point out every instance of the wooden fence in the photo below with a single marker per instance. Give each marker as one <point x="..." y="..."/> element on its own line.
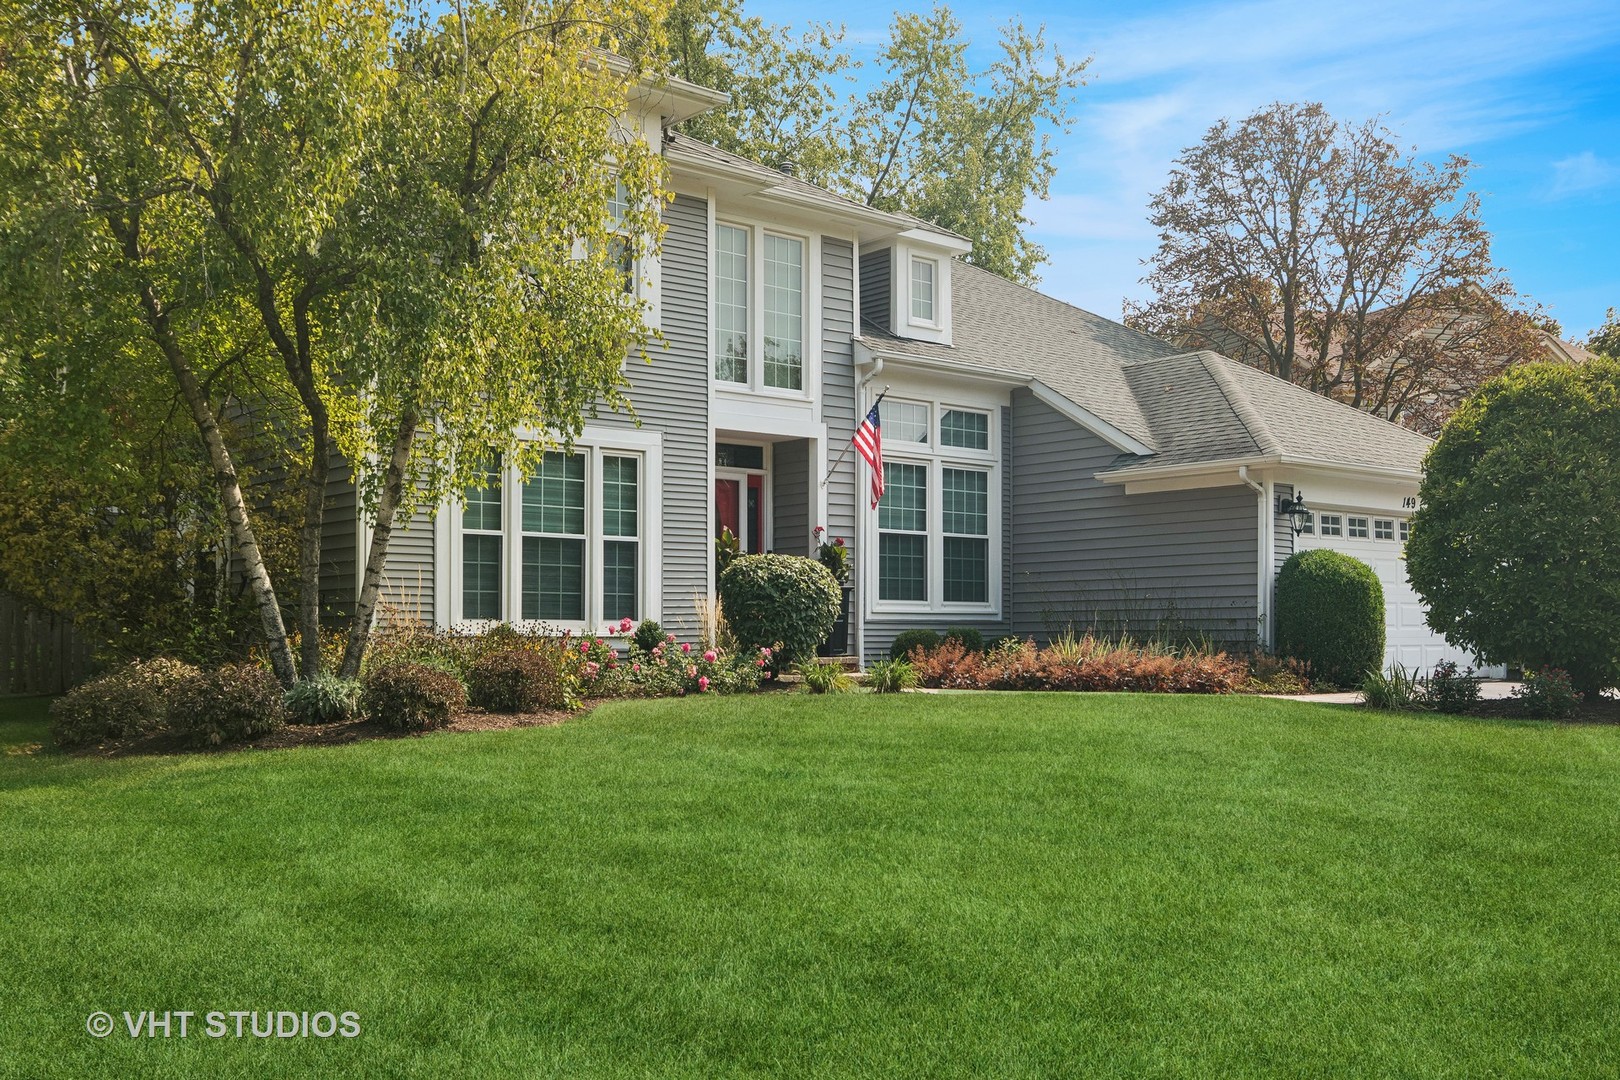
<point x="39" y="653"/>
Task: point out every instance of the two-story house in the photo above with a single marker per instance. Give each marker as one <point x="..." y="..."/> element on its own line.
<point x="1044" y="467"/>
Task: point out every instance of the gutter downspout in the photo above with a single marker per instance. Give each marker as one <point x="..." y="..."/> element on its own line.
<point x="1262" y="609"/>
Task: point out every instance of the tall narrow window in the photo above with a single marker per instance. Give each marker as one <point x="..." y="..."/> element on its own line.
<point x="731" y="304"/>
<point x="784" y="312"/>
<point x="621" y="549"/>
<point x="903" y="533"/>
<point x="481" y="547"/>
<point x="965" y="502"/>
<point x="554" y="539"/>
<point x="922" y="289"/>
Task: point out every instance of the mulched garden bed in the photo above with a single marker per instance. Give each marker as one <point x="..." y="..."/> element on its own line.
<point x="1602" y="711"/>
<point x="328" y="734"/>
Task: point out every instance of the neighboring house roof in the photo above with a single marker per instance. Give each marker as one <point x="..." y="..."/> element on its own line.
<point x="681" y="149"/>
<point x="1182" y="408"/>
<point x="1568" y="352"/>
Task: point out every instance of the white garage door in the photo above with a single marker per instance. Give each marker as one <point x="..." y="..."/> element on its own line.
<point x="1378" y="542"/>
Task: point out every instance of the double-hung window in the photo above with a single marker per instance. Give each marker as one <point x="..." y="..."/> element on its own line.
<point x="924" y="274"/>
<point x="564" y="547"/>
<point x="937" y="535"/>
<point x="760" y="308"/>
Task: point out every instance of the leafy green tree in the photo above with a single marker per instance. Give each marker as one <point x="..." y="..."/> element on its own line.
<point x="963" y="148"/>
<point x="368" y="211"/>
<point x="1605" y="340"/>
<point x="1514" y="547"/>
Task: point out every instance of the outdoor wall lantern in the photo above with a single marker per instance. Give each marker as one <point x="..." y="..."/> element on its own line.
<point x="1295" y="511"/>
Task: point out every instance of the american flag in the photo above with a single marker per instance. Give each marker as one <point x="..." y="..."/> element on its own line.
<point x="869" y="441"/>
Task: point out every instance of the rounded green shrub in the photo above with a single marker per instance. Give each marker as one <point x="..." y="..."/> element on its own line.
<point x="517" y="681"/>
<point x="325" y="699"/>
<point x="649" y="635"/>
<point x="1514" y="549"/>
<point x="234" y="703"/>
<point x="1330" y="614"/>
<point x="787" y="603"/>
<point x="906" y="640"/>
<point x="133" y="700"/>
<point x="412" y="697"/>
<point x="971" y="639"/>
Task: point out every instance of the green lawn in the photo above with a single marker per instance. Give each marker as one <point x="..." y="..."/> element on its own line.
<point x="930" y="886"/>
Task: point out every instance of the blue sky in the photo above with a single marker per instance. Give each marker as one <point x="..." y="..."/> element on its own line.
<point x="1529" y="91"/>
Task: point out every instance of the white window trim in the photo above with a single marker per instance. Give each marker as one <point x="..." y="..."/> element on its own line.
<point x="911" y="317"/>
<point x="810" y="360"/>
<point x="937" y="458"/>
<point x="595" y="442"/>
<point x="1337" y="525"/>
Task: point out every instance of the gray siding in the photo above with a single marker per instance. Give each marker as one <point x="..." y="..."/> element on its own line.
<point x="671" y="396"/>
<point x="1088" y="556"/>
<point x="409" y="576"/>
<point x="1283" y="529"/>
<point x="876" y="281"/>
<point x="790" y="509"/>
<point x="340" y="538"/>
<point x="838" y="404"/>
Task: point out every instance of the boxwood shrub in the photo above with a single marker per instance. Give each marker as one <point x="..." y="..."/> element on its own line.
<point x="906" y="640"/>
<point x="1330" y="614"/>
<point x="786" y="603"/>
<point x="971" y="639"/>
<point x="412" y="697"/>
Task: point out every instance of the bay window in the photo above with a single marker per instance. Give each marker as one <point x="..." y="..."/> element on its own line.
<point x="937" y="539"/>
<point x="760" y="308"/>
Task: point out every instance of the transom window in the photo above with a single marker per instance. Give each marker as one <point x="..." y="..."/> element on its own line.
<point x="1383" y="529"/>
<point x="1332" y="525"/>
<point x="759" y="308"/>
<point x="924" y="273"/>
<point x="969" y="430"/>
<point x="576" y="524"/>
<point x="1356" y="528"/>
<point x="936" y="532"/>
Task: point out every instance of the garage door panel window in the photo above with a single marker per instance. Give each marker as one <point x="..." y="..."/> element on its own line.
<point x="1332" y="525"/>
<point x="1383" y="529"/>
<point x="1356" y="528"/>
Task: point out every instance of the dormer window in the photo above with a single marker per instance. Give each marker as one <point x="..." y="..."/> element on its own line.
<point x="924" y="283"/>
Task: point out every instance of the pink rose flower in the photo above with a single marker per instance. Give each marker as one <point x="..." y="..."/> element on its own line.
<point x="691" y="670"/>
<point x="686" y="646"/>
<point x="625" y="625"/>
<point x="636" y="668"/>
<point x="761" y="661"/>
<point x="839" y="542"/>
<point x="708" y="655"/>
<point x="584" y="647"/>
<point x="703" y="683"/>
<point x="670" y="638"/>
<point x="658" y="650"/>
<point x="765" y="653"/>
<point x="591" y="668"/>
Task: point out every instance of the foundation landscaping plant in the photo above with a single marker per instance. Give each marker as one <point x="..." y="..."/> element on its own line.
<point x="941" y="886"/>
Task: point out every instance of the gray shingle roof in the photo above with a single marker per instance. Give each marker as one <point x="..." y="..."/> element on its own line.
<point x="1187" y="407"/>
<point x="680" y="147"/>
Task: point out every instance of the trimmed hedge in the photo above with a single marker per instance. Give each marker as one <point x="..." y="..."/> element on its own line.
<point x="907" y="640"/>
<point x="412" y="697"/>
<point x="786" y="603"/>
<point x="1330" y="614"/>
<point x="970" y="638"/>
<point x="517" y="681"/>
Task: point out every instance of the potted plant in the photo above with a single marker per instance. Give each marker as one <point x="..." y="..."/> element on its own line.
<point x="832" y="553"/>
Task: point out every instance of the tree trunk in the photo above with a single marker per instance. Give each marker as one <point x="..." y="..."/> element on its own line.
<point x="394" y="480"/>
<point x="230" y="489"/>
<point x="309" y="547"/>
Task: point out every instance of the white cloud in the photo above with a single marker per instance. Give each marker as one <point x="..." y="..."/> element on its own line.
<point x="1582" y="173"/>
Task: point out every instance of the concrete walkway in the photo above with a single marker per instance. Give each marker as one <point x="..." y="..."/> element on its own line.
<point x="1489" y="690"/>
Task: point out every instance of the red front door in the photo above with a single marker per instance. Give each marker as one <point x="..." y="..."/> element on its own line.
<point x="739" y="506"/>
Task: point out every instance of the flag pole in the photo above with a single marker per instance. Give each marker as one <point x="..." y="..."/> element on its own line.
<point x="845" y="451"/>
